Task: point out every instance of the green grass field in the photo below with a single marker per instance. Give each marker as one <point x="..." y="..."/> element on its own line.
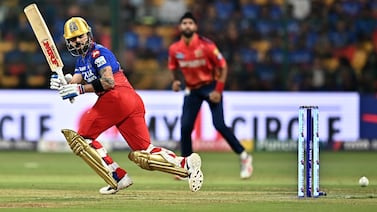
<point x="32" y="181"/>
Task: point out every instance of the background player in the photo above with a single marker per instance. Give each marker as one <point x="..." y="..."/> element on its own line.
<point x="204" y="71"/>
<point x="97" y="70"/>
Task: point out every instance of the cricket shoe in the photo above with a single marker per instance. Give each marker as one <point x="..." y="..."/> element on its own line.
<point x="195" y="175"/>
<point x="246" y="167"/>
<point x="125" y="182"/>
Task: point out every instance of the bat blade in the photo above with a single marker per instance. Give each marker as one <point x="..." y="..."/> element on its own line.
<point x="45" y="40"/>
<point x="44" y="37"/>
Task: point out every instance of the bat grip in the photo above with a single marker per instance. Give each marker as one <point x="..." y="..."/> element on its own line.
<point x="59" y="72"/>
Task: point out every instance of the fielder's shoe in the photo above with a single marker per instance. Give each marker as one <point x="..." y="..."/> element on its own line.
<point x="125" y="182"/>
<point x="195" y="175"/>
<point x="246" y="167"/>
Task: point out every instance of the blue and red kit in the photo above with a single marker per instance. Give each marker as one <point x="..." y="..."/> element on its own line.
<point x="121" y="106"/>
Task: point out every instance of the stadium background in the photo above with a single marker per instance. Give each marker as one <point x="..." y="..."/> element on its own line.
<point x="319" y="46"/>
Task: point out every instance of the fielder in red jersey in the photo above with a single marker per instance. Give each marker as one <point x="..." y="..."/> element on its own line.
<point x="198" y="61"/>
<point x="97" y="70"/>
<point x="204" y="70"/>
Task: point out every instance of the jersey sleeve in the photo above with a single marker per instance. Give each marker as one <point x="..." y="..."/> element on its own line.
<point x="101" y="58"/>
<point x="215" y="55"/>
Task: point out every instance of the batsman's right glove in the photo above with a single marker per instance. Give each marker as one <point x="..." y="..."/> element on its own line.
<point x="71" y="90"/>
<point x="56" y="82"/>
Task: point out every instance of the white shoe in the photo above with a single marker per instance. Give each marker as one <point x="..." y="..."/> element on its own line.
<point x="195" y="175"/>
<point x="125" y="182"/>
<point x="246" y="167"/>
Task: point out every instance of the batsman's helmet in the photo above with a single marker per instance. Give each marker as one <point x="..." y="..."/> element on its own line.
<point x="74" y="27"/>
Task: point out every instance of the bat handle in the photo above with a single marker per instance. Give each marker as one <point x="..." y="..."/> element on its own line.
<point x="59" y="72"/>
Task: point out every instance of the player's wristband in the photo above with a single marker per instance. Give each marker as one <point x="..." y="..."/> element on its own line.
<point x="97" y="85"/>
<point x="81" y="89"/>
<point x="219" y="86"/>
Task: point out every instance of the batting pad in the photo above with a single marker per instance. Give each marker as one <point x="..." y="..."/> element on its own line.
<point x="81" y="148"/>
<point x="153" y="162"/>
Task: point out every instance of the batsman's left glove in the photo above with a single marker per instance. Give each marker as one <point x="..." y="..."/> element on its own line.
<point x="56" y="82"/>
<point x="71" y="90"/>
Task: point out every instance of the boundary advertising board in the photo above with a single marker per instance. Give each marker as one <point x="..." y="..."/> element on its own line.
<point x="39" y="115"/>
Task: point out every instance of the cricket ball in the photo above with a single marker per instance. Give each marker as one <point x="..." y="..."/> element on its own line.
<point x="363" y="181"/>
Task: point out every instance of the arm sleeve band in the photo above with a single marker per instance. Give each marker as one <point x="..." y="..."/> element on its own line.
<point x="97" y="86"/>
<point x="219" y="86"/>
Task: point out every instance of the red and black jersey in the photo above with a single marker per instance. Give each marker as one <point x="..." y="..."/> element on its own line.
<point x="198" y="60"/>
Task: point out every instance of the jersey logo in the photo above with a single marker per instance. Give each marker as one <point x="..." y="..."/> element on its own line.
<point x="100" y="61"/>
<point x="95" y="53"/>
<point x="198" y="53"/>
<point x="73" y="27"/>
<point x="89" y="76"/>
<point x="192" y="63"/>
<point x="217" y="53"/>
<point x="179" y="55"/>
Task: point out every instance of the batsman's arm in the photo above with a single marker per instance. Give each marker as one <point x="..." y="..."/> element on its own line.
<point x="106" y="82"/>
<point x="76" y="79"/>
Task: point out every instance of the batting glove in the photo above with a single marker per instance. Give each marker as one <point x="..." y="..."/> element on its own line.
<point x="56" y="82"/>
<point x="71" y="90"/>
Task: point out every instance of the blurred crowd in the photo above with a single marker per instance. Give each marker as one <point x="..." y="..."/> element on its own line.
<point x="270" y="45"/>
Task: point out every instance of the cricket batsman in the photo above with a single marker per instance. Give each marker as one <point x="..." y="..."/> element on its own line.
<point x="97" y="70"/>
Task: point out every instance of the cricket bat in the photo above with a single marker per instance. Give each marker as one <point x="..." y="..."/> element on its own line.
<point x="45" y="40"/>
